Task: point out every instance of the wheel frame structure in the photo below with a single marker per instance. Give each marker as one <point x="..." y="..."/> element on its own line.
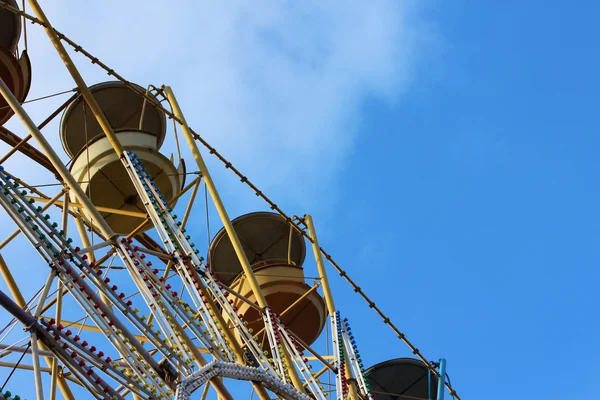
<point x="207" y="316"/>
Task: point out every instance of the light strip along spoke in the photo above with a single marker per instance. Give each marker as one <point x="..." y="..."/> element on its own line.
<point x="206" y="278"/>
<point x="118" y="300"/>
<point x="164" y="304"/>
<point x="159" y="288"/>
<point x="275" y="343"/>
<point x="289" y="344"/>
<point x="75" y="362"/>
<point x="355" y="361"/>
<point x="82" y="353"/>
<point x="189" y="266"/>
<point x="57" y="251"/>
<point x="341" y="386"/>
<point x="159" y="215"/>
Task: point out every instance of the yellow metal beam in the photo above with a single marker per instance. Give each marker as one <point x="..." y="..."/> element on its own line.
<point x="59" y="296"/>
<point x="330" y="357"/>
<point x="212" y="189"/>
<point x="12" y="285"/>
<point x="321" y="372"/>
<point x="58" y="314"/>
<point x="188" y="209"/>
<point x="204" y="392"/>
<point x="92" y="328"/>
<point x="328" y="296"/>
<point x="30" y="368"/>
<point x="299" y="299"/>
<point x="320" y="266"/>
<point x="232" y="236"/>
<point x="15" y="149"/>
<point x="136" y="214"/>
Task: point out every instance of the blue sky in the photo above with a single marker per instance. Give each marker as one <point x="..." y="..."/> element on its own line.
<point x="446" y="150"/>
<point x="476" y="194"/>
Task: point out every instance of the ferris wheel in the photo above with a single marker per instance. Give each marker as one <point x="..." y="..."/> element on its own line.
<point x="130" y="307"/>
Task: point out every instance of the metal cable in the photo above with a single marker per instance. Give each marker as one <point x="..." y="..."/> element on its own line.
<point x="106" y="180"/>
<point x="50" y="96"/>
<point x="15" y="367"/>
<point x="89" y="173"/>
<point x="43" y="97"/>
<point x="24" y="26"/>
<point x="207" y="221"/>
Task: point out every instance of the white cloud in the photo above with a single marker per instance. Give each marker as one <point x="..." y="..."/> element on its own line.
<point x="275" y="85"/>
